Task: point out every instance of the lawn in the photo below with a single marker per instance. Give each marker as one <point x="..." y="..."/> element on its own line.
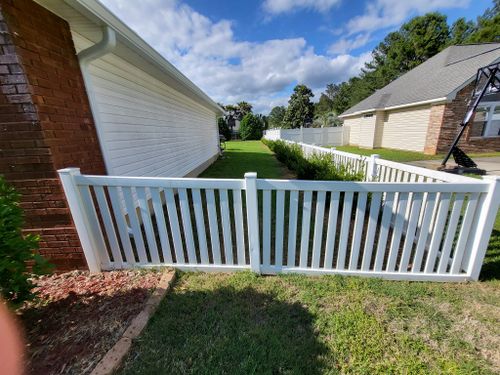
<point x="250" y="156"/>
<point x="244" y="323"/>
<point x="403" y="156"/>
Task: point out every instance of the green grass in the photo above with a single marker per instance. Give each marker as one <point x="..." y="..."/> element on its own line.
<point x="403" y="156"/>
<point x="248" y="156"/>
<point x="247" y="324"/>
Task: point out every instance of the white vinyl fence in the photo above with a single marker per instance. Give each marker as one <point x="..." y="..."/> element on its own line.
<point x="397" y="230"/>
<point x="332" y="136"/>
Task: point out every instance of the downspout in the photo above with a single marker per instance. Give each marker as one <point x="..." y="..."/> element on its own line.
<point x="85" y="57"/>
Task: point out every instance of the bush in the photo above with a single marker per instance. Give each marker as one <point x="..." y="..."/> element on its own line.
<point x="251" y="127"/>
<point x="224" y="128"/>
<point x="16" y="250"/>
<point x="317" y="167"/>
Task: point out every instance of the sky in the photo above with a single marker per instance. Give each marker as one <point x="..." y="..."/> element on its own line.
<point x="257" y="51"/>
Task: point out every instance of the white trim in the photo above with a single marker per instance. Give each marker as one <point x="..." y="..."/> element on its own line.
<point x="414" y="104"/>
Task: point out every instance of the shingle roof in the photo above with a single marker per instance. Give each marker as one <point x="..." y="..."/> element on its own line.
<point x="436" y="78"/>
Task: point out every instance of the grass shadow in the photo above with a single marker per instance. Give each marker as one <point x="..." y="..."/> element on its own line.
<point x="227" y="331"/>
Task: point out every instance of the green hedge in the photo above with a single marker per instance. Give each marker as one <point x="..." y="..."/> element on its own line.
<point x="16" y="250"/>
<point x="317" y="167"/>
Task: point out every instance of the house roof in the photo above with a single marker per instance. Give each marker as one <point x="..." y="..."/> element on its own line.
<point x="87" y="17"/>
<point x="435" y="80"/>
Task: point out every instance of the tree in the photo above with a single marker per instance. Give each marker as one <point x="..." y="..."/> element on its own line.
<point x="251" y="127"/>
<point x="326" y="120"/>
<point x="224" y="128"/>
<point x="276" y="117"/>
<point x="488" y="26"/>
<point x="324" y="105"/>
<point x="460" y="31"/>
<point x="244" y="108"/>
<point x="300" y="109"/>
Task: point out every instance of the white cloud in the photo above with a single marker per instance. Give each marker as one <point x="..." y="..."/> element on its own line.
<point x="381" y="14"/>
<point x="274" y="7"/>
<point x="227" y="69"/>
<point x="345" y="45"/>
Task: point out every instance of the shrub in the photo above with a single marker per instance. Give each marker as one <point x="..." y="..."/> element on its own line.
<point x="224" y="128"/>
<point x="251" y="127"/>
<point x="317" y="167"/>
<point x="16" y="250"/>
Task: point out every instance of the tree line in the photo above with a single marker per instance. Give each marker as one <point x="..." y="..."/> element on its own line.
<point x="416" y="41"/>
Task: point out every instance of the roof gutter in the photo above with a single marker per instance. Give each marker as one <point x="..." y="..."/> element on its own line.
<point x="444" y="99"/>
<point x="85" y="57"/>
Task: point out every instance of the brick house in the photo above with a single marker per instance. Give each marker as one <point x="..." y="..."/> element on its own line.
<point x="422" y="109"/>
<point x="80" y="89"/>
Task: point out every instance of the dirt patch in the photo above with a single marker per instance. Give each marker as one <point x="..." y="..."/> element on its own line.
<point x="79" y="316"/>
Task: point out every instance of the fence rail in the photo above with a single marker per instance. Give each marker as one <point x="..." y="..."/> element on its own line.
<point x="397" y="230"/>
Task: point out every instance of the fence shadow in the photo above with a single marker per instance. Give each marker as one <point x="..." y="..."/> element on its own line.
<point x="227" y="331"/>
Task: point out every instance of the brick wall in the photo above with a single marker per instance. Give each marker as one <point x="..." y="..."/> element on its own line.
<point x="45" y="122"/>
<point x="441" y="136"/>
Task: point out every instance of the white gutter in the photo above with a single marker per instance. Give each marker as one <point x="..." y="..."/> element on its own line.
<point x="85" y="57"/>
<point x="444" y="99"/>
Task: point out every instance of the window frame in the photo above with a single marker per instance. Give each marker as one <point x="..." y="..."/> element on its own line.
<point x="491" y="108"/>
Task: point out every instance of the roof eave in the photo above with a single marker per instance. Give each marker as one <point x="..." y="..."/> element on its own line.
<point x="99" y="14"/>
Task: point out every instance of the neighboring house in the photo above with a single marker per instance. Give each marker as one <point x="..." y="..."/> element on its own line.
<point x="421" y="110"/>
<point x="80" y="89"/>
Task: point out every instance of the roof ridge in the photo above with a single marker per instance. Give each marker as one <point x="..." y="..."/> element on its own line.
<point x="473" y="56"/>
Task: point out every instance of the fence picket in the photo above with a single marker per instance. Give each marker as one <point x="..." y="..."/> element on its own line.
<point x="306" y="226"/>
<point x="398" y="231"/>
<point x="266" y="228"/>
<point x="187" y="225"/>
<point x="424" y="231"/>
<point x="371" y="231"/>
<point x="280" y="216"/>
<point x="200" y="226"/>
<point x="358" y="230"/>
<point x="148" y="225"/>
<point x="239" y="226"/>
<point x="174" y="226"/>
<point x="161" y="225"/>
<point x="134" y="223"/>
<point x="415" y="207"/>
<point x="292" y="228"/>
<point x="318" y="228"/>
<point x="332" y="229"/>
<point x="344" y="229"/>
<point x="214" y="226"/>
<point x="226" y="226"/>
<point x="464" y="231"/>
<point x="437" y="232"/>
<point x="384" y="231"/>
<point x="108" y="225"/>
<point x="450" y="233"/>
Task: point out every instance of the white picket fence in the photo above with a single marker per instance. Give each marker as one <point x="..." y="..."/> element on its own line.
<point x="397" y="230"/>
<point x="331" y="136"/>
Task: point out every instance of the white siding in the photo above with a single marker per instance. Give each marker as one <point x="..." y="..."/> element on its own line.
<point x="147" y="128"/>
<point x="354" y="125"/>
<point x="406" y="129"/>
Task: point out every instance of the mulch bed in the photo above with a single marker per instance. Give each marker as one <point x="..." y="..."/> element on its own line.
<point x="79" y="316"/>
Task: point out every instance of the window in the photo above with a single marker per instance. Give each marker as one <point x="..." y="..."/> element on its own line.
<point x="486" y="122"/>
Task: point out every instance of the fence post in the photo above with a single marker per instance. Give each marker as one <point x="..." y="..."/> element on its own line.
<point x="253" y="220"/>
<point x="486" y="214"/>
<point x="372" y="168"/>
<point x="77" y="208"/>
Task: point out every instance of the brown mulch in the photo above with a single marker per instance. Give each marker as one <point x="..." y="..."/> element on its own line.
<point x="79" y="316"/>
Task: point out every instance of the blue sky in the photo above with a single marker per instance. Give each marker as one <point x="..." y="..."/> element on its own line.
<point x="258" y="50"/>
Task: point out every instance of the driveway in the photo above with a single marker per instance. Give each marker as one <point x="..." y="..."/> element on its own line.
<point x="491" y="164"/>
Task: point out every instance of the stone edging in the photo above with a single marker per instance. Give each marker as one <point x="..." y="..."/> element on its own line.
<point x="115" y="356"/>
